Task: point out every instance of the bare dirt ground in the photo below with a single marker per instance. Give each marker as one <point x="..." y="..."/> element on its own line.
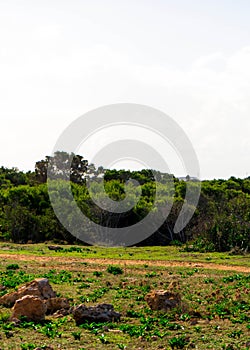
<point x="68" y="261"/>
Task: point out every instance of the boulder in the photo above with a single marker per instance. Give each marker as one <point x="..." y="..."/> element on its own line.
<point x="163" y="300"/>
<point x="32" y="307"/>
<point x="55" y="304"/>
<point x="40" y="288"/>
<point x="98" y="313"/>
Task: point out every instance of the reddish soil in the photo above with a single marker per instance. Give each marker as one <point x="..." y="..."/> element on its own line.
<point x="68" y="261"/>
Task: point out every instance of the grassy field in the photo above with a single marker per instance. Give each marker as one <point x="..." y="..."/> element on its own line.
<point x="170" y="253"/>
<point x="215" y="289"/>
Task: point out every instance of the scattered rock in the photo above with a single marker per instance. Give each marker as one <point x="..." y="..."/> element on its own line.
<point x="62" y="313"/>
<point x="129" y="282"/>
<point x="163" y="300"/>
<point x="115" y="331"/>
<point x="55" y="304"/>
<point x="40" y="288"/>
<point x="174" y="286"/>
<point x="98" y="313"/>
<point x="193" y="322"/>
<point x="32" y="307"/>
<point x="133" y="282"/>
<point x="9" y="334"/>
<point x="2" y="287"/>
<point x="154" y="338"/>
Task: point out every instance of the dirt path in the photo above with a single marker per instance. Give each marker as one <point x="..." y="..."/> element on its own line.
<point x="173" y="263"/>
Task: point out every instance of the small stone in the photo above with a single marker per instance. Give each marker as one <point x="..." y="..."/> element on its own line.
<point x="154" y="337"/>
<point x="2" y="287"/>
<point x="61" y="313"/>
<point x="9" y="334"/>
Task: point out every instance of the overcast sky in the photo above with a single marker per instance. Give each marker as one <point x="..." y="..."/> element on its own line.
<point x="190" y="59"/>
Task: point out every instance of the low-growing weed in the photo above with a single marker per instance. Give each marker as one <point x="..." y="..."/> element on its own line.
<point x="4" y="317"/>
<point x="103" y="339"/>
<point x="12" y="267"/>
<point x="76" y="335"/>
<point x="59" y="277"/>
<point x="28" y="346"/>
<point x="235" y="334"/>
<point x="178" y="342"/>
<point x="115" y="270"/>
<point x="97" y="273"/>
<point x="96" y="294"/>
<point x="151" y="274"/>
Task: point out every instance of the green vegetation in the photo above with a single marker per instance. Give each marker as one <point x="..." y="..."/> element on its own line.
<point x="221" y="221"/>
<point x="147" y="256"/>
<point x="216" y="311"/>
<point x="115" y="270"/>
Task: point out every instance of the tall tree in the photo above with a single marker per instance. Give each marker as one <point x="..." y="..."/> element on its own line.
<point x="60" y="168"/>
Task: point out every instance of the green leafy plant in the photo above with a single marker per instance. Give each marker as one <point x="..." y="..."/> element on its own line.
<point x="178" y="342"/>
<point x="103" y="339"/>
<point x="115" y="270"/>
<point x="151" y="274"/>
<point x="12" y="267"/>
<point x="235" y="334"/>
<point x="96" y="294"/>
<point x="28" y="346"/>
<point x="97" y="273"/>
<point x="4" y="317"/>
<point x="76" y="335"/>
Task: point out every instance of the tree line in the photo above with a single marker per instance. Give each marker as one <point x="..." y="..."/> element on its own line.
<point x="221" y="220"/>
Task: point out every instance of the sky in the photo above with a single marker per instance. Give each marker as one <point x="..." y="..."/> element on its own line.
<point x="189" y="59"/>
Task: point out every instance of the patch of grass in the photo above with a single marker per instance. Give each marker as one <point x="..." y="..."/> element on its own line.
<point x="13" y="278"/>
<point x="94" y="296"/>
<point x="59" y="277"/>
<point x="97" y="273"/>
<point x="178" y="342"/>
<point x="216" y="302"/>
<point x="76" y="335"/>
<point x="140" y="253"/>
<point x="151" y="274"/>
<point x="28" y="346"/>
